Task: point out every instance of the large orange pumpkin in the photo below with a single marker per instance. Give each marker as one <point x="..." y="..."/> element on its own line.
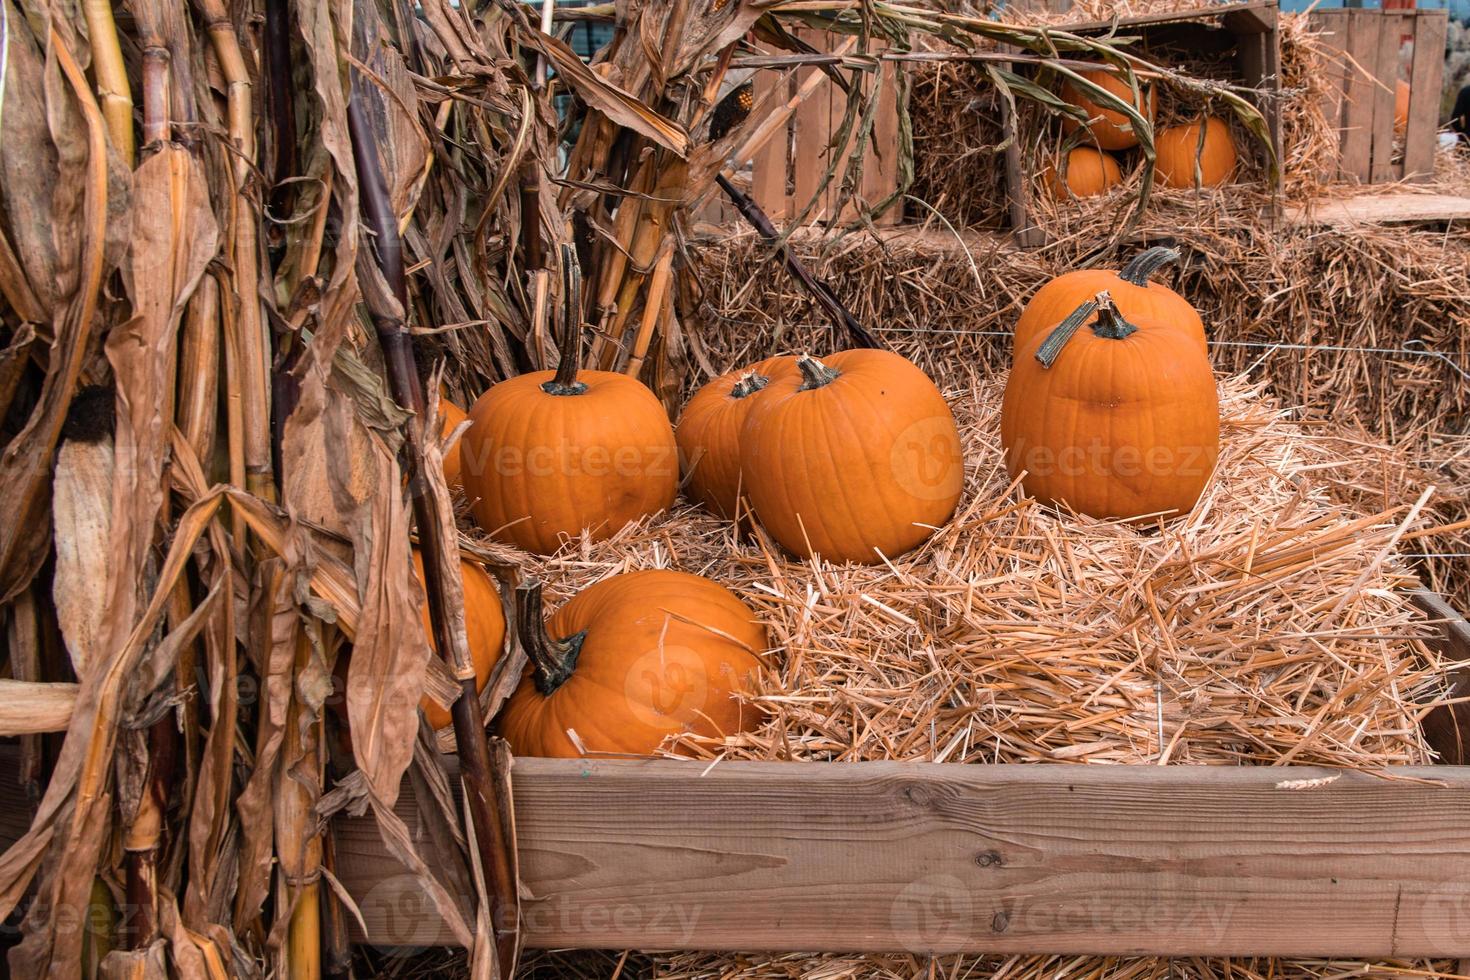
<point x="708" y="432"/>
<point x="453" y="415"/>
<point x="1089" y="172"/>
<point x="855" y="458"/>
<point x="631" y="660"/>
<point x="1111" y="418"/>
<point x="1140" y="300"/>
<point x="1110" y="129"/>
<point x="1179" y="148"/>
<point x="1401" y="95"/>
<point x="549" y="455"/>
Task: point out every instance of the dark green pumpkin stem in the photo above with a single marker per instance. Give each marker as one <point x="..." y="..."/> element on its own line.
<point x="1146" y="263"/>
<point x="1110" y="324"/>
<point x="554" y="660"/>
<point x="816" y="373"/>
<point x="570" y="348"/>
<point x="750" y="382"/>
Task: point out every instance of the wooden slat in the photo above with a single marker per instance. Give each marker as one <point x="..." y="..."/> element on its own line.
<point x="917" y="857"/>
<point x="1357" y="111"/>
<point x="1425" y="78"/>
<point x="880" y="169"/>
<point x="1333" y="25"/>
<point x="1253" y="16"/>
<point x="1385" y="70"/>
<point x="768" y="169"/>
<point x="1384" y="209"/>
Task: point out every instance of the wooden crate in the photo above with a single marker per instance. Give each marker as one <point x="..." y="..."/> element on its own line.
<point x="1362" y="104"/>
<point x="1249" y="29"/>
<point x="926" y="858"/>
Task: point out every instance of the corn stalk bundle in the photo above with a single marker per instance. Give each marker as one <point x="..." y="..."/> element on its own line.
<point x="244" y="245"/>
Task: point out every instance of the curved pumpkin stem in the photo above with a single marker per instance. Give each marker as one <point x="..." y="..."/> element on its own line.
<point x="1110" y="322"/>
<point x="817" y="374"/>
<point x="570" y="348"/>
<point x="750" y="382"/>
<point x="555" y="660"/>
<point x="1146" y="263"/>
<point x="1051" y="347"/>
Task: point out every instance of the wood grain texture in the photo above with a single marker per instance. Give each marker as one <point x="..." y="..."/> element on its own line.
<point x="1426" y="76"/>
<point x="1358" y="99"/>
<point x="1385" y="69"/>
<point x="1384" y="208"/>
<point x="929" y="858"/>
<point x="1333" y="28"/>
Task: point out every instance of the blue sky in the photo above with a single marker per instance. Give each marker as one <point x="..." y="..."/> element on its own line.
<point x="1459" y="8"/>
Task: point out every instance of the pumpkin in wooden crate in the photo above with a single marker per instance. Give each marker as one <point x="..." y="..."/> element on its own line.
<point x="631" y="660"/>
<point x="1401" y="93"/>
<point x="1110" y="129"/>
<point x="854" y="458"/>
<point x="708" y="433"/>
<point x="1112" y="418"/>
<point x="1088" y="172"/>
<point x="1140" y="300"/>
<point x="1180" y="149"/>
<point x="453" y="415"/>
<point x="551" y="454"/>
<point x="484" y="621"/>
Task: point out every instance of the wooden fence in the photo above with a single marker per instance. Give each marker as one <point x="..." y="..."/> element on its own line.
<point x="1365" y="79"/>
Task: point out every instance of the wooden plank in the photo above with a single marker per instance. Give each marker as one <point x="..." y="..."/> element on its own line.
<point x="1385" y="208"/>
<point x="1357" y="111"/>
<point x="1426" y="76"/>
<point x="768" y="169"/>
<point x="809" y="150"/>
<point x="1253" y="16"/>
<point x="1113" y="860"/>
<point x="1385" y="69"/>
<point x="1447" y="728"/>
<point x="1334" y="26"/>
<point x="880" y="169"/>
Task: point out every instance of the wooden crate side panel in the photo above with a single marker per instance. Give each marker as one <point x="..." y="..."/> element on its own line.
<point x="1334" y="26"/>
<point x="1385" y="70"/>
<point x="1426" y="76"/>
<point x="1357" y="113"/>
<point x="768" y="168"/>
<point x="922" y="858"/>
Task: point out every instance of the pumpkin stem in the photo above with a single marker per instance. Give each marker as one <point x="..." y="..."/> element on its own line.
<point x="555" y="660"/>
<point x="1051" y="347"/>
<point x="1110" y="322"/>
<point x="817" y="374"/>
<point x="1146" y="263"/>
<point x="750" y="382"/>
<point x="570" y="348"/>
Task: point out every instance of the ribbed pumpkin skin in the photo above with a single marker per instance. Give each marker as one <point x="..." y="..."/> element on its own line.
<point x="1113" y="131"/>
<point x="1115" y="428"/>
<point x="708" y="434"/>
<point x="538" y="466"/>
<point x="1089" y="173"/>
<point x="484" y="623"/>
<point x="854" y="467"/>
<point x="663" y="653"/>
<point x="1149" y="305"/>
<point x="1177" y="146"/>
<point x="453" y="415"/>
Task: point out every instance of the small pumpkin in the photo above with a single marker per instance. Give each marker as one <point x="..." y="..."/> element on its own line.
<point x="854" y="458"/>
<point x="1178" y="149"/>
<point x="1140" y="300"/>
<point x="453" y="415"/>
<point x="1112" y="418"/>
<point x="1089" y="172"/>
<point x="484" y="621"/>
<point x="1110" y="129"/>
<point x="1401" y="93"/>
<point x="708" y="433"/>
<point x="631" y="660"/>
<point x="551" y="454"/>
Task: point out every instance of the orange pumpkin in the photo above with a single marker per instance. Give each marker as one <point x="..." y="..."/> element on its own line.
<point x="549" y="455"/>
<point x="1401" y="95"/>
<point x="1179" y="148"/>
<point x="1111" y="418"/>
<point x="1089" y="172"/>
<point x="708" y="433"/>
<point x="631" y="660"/>
<point x="1110" y="129"/>
<point x="855" y="458"/>
<point x="453" y="415"/>
<point x="484" y="620"/>
<point x="1140" y="300"/>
